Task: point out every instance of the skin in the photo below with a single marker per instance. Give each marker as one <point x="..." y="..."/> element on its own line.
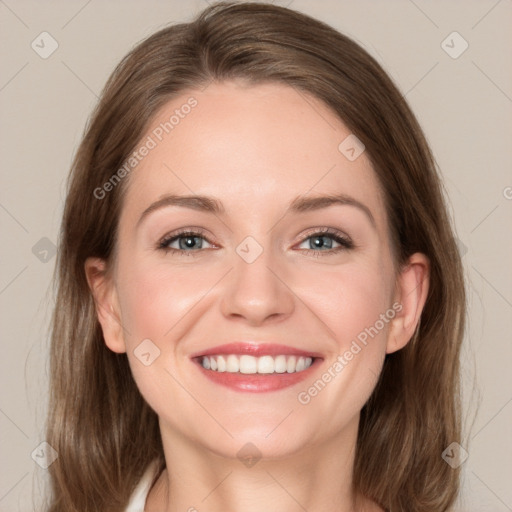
<point x="255" y="149"/>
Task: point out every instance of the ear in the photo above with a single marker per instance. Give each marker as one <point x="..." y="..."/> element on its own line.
<point x="107" y="305"/>
<point x="411" y="294"/>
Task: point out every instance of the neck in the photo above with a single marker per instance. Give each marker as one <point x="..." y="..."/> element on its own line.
<point x="315" y="478"/>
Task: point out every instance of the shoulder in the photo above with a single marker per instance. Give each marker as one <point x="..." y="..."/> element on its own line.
<point x="140" y="493"/>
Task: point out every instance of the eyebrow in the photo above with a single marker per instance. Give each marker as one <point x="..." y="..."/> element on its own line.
<point x="300" y="204"/>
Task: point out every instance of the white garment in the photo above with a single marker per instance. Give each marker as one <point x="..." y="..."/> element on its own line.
<point x="138" y="498"/>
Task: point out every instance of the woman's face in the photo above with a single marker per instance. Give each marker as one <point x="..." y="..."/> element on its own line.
<point x="273" y="270"/>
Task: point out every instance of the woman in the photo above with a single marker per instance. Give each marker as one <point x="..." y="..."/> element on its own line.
<point x="260" y="302"/>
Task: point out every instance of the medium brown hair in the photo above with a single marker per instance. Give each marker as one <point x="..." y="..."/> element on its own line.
<point x="103" y="430"/>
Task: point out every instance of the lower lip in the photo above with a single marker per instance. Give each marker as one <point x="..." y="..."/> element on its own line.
<point x="256" y="382"/>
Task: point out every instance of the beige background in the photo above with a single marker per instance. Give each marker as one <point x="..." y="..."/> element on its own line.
<point x="463" y="104"/>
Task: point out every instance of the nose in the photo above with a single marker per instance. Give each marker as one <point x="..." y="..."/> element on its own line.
<point x="258" y="291"/>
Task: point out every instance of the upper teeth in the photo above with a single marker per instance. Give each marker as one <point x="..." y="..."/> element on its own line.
<point x="250" y="364"/>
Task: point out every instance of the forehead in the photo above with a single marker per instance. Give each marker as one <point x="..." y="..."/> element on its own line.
<point x="254" y="147"/>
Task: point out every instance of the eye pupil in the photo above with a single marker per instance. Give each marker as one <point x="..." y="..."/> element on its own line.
<point x="189" y="241"/>
<point x="319" y="242"/>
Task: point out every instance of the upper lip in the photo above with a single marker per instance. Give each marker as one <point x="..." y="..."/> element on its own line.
<point x="255" y="349"/>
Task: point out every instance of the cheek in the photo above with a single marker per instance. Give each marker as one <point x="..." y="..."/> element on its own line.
<point x="347" y="299"/>
<point x="154" y="298"/>
<point x="354" y="305"/>
<point x="159" y="303"/>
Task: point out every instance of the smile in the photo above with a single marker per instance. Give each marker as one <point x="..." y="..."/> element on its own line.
<point x="248" y="364"/>
<point x="255" y="367"/>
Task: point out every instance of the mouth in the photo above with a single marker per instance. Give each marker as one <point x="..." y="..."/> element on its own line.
<point x="256" y="367"/>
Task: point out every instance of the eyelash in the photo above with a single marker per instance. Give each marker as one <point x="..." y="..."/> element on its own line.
<point x="344" y="241"/>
